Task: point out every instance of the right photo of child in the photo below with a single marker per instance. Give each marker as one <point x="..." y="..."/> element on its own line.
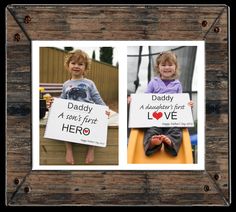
<point x="162" y="70"/>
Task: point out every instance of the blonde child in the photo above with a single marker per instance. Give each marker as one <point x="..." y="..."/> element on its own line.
<point x="166" y="82"/>
<point x="79" y="88"/>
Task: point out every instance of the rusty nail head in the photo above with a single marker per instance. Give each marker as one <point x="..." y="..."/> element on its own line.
<point x="216" y="29"/>
<point x="206" y="188"/>
<point x="204" y="23"/>
<point x="27" y="19"/>
<point x="17" y="36"/>
<point x="216" y="176"/>
<point x="16" y="181"/>
<point x="27" y="189"/>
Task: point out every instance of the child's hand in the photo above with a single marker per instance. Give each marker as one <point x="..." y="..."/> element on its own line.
<point x="128" y="99"/>
<point x="107" y="113"/>
<point x="50" y="102"/>
<point x="190" y="103"/>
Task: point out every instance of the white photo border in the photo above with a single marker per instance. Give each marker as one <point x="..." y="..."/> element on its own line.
<point x="122" y="143"/>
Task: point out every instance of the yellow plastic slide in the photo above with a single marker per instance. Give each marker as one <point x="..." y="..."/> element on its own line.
<point x="136" y="150"/>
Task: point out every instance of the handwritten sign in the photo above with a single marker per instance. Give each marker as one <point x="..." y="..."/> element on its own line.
<point x="160" y="110"/>
<point x="77" y="122"/>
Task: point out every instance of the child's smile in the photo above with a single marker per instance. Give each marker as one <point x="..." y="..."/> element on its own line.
<point x="77" y="69"/>
<point x="167" y="70"/>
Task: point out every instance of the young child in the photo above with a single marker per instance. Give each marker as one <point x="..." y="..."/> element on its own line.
<point x="166" y="82"/>
<point x="82" y="89"/>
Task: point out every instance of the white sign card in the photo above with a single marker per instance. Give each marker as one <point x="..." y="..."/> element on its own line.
<point x="77" y="122"/>
<point x="160" y="110"/>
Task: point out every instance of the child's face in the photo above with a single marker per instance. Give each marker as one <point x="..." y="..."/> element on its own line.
<point x="76" y="68"/>
<point x="167" y="70"/>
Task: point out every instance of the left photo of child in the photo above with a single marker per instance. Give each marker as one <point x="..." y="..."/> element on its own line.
<point x="78" y="106"/>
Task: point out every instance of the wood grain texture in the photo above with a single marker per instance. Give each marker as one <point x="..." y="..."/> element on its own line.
<point x="124" y="22"/>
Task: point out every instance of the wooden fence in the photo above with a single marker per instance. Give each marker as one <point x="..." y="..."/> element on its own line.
<point x="104" y="75"/>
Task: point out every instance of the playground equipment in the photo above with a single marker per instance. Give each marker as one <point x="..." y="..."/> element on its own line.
<point x="137" y="155"/>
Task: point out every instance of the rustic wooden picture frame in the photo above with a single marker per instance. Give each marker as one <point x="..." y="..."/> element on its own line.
<point x="25" y="186"/>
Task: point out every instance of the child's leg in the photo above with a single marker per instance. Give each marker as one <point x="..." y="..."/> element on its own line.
<point x="69" y="153"/>
<point x="152" y="142"/>
<point x="172" y="140"/>
<point x="90" y="155"/>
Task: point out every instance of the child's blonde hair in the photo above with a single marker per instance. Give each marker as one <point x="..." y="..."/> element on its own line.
<point x="168" y="57"/>
<point x="78" y="56"/>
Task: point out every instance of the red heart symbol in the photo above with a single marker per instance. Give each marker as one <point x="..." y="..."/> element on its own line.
<point x="157" y="115"/>
<point x="86" y="131"/>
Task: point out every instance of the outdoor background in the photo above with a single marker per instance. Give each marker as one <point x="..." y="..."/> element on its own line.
<point x="53" y="74"/>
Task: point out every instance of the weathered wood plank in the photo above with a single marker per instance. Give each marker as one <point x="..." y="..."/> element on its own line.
<point x="139" y="22"/>
<point x="217" y="77"/>
<point x="21" y="111"/>
<point x="112" y="188"/>
<point x="18" y="63"/>
<point x="217" y="133"/>
<point x="18" y="135"/>
<point x="215" y="107"/>
<point x="214" y="130"/>
<point x="18" y="146"/>
<point x="18" y="92"/>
